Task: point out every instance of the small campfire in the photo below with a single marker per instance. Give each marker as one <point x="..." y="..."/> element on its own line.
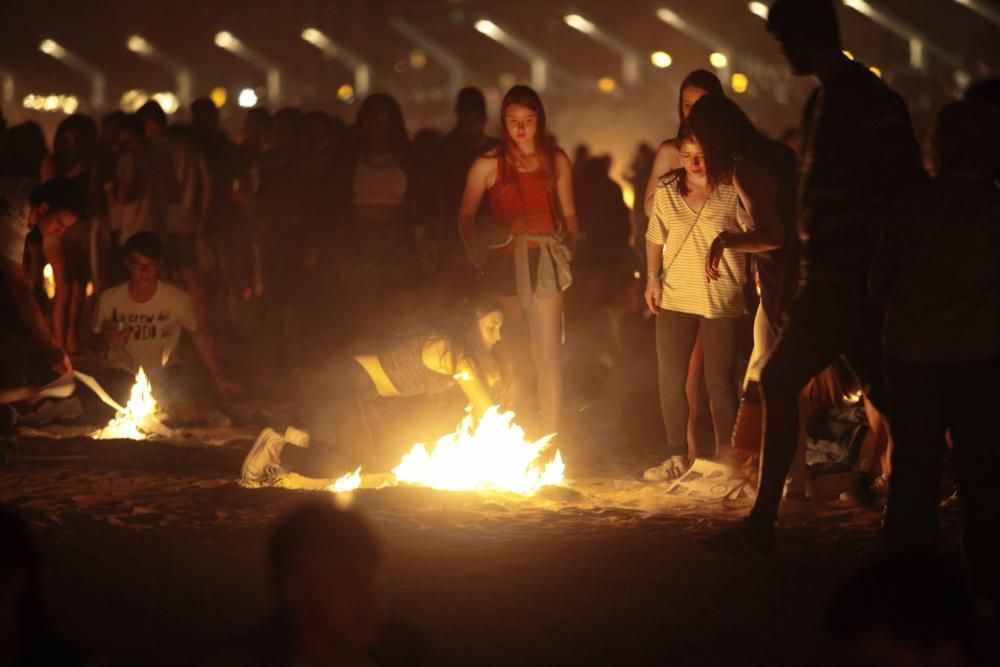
<point x="138" y="420"/>
<point x="493" y="456"/>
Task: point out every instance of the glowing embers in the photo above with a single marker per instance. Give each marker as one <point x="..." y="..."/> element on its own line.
<point x="491" y="456"/>
<point x="138" y="420"/>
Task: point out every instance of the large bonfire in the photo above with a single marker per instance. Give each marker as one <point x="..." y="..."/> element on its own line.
<point x="492" y="455"/>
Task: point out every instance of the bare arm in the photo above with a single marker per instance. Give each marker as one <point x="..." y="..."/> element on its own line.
<point x="758" y="191"/>
<point x="225" y="387"/>
<point x="436" y="355"/>
<point x="53" y="249"/>
<point x="667" y="159"/>
<point x="564" y="190"/>
<point x="654" y="262"/>
<point x="19" y="287"/>
<point x="481" y="174"/>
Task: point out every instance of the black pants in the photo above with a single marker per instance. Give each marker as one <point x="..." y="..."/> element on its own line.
<point x="925" y="401"/>
<point x="831" y="317"/>
<point x="675" y="336"/>
<point x="336" y="404"/>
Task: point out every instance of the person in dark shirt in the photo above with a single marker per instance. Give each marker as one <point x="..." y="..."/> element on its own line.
<point x="938" y="270"/>
<point x="859" y="154"/>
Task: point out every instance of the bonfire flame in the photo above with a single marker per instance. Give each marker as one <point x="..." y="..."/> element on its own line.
<point x="348" y="482"/>
<point x="138" y="420"/>
<point x="490" y="456"/>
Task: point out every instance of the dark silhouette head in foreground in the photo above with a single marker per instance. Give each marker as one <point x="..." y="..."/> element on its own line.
<point x="966" y="139"/>
<point x="906" y="610"/>
<point x="326" y="568"/>
<point x="807" y="31"/>
<point x="26" y="637"/>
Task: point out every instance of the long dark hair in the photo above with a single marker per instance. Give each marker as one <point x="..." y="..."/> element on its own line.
<point x="726" y="135"/>
<point x="398" y="139"/>
<point x="526" y="97"/>
<point x="465" y="343"/>
<point x="699" y="78"/>
<point x="66" y="157"/>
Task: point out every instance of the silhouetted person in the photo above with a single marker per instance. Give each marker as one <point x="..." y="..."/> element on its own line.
<point x="938" y="269"/>
<point x="604" y="217"/>
<point x="26" y="636"/>
<point x="907" y="610"/>
<point x="459" y="149"/>
<point x="327" y="573"/>
<point x="859" y="153"/>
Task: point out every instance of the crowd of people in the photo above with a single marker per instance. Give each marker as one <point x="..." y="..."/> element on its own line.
<point x="307" y="236"/>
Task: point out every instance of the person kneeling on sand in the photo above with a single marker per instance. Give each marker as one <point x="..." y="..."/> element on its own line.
<point x="459" y="352"/>
<point x="141" y="321"/>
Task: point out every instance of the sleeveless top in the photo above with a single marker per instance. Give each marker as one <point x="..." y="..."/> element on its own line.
<point x="404" y="366"/>
<point x="521" y="203"/>
<point x="686" y="237"/>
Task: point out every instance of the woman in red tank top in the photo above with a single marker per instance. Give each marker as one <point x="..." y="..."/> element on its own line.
<point x="525" y="256"/>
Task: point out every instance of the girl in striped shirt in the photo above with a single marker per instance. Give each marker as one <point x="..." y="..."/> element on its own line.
<point x="689" y="212"/>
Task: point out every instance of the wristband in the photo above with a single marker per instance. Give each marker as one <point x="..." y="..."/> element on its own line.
<point x="651" y="275"/>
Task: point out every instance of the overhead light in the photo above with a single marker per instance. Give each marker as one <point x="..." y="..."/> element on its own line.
<point x="136" y="44"/>
<point x="218" y="96"/>
<point x="661" y="59"/>
<point x="247" y="98"/>
<point x="848" y="54"/>
<point x="760" y="9"/>
<point x="670" y="18"/>
<point x="876" y="71"/>
<point x="131" y="100"/>
<point x="67" y="104"/>
<point x="345" y="93"/>
<point x="577" y="22"/>
<point x="739" y="82"/>
<point x="718" y="60"/>
<point x="607" y="84"/>
<point x="489" y="28"/>
<point x="167" y="101"/>
<point x="51" y="47"/>
<point x="418" y="59"/>
<point x="225" y="40"/>
<point x="861" y="6"/>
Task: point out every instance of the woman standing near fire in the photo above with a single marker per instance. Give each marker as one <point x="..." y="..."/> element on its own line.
<point x="460" y="352"/>
<point x="529" y="185"/>
<point x="695" y="85"/>
<point x="691" y="209"/>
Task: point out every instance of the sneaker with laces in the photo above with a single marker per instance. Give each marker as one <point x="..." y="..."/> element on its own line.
<point x="262" y="465"/>
<point x="667" y="471"/>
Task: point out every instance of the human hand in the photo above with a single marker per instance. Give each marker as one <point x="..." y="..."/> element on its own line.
<point x="115" y="335"/>
<point x="227" y="389"/>
<point x="714" y="257"/>
<point x="653" y="294"/>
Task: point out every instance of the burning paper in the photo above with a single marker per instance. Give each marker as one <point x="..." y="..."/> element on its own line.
<point x="492" y="456"/>
<point x="138" y="420"/>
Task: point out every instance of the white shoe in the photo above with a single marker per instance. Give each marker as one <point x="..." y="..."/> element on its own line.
<point x="667" y="471"/>
<point x="262" y="465"/>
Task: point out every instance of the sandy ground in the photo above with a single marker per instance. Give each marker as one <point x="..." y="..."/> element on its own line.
<point x="155" y="556"/>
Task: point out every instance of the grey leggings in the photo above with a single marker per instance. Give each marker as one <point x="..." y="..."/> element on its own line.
<point x="675" y="337"/>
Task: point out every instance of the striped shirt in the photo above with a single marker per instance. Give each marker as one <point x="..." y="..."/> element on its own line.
<point x="686" y="237"/>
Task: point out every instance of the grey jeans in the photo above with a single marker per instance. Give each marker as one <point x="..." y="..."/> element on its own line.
<point x="675" y="337"/>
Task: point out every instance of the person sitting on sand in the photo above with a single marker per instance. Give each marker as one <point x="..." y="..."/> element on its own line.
<point x="460" y="352"/>
<point x="141" y="322"/>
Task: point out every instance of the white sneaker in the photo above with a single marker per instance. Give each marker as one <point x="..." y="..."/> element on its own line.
<point x="262" y="465"/>
<point x="667" y="471"/>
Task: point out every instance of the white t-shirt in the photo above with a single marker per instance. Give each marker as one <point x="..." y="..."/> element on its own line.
<point x="153" y="327"/>
<point x="686" y="237"/>
<point x="14" y="227"/>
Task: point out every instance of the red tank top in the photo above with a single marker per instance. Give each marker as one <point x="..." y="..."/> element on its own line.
<point x="522" y="203"/>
